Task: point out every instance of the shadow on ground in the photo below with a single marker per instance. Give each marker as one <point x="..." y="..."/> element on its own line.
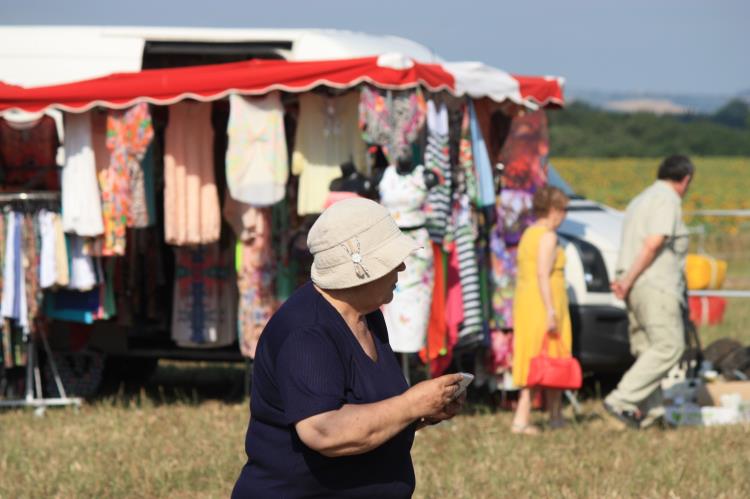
<point x="182" y="382"/>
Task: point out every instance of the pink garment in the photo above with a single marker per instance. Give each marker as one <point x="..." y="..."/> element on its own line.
<point x="191" y="201"/>
<point x="454" y="302"/>
<point x="336" y="196"/>
<point x="500" y="357"/>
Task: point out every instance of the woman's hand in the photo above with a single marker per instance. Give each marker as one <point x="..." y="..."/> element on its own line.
<point x="551" y="322"/>
<point x="433" y="399"/>
<point x="447" y="412"/>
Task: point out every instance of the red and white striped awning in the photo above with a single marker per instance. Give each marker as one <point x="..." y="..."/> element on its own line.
<point x="258" y="77"/>
<point x="478" y="80"/>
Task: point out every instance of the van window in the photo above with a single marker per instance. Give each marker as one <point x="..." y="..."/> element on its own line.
<point x="158" y="55"/>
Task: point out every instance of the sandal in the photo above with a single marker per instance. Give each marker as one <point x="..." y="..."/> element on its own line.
<point x="525" y="429"/>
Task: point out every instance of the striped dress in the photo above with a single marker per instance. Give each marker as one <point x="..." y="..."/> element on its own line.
<point x="468" y="271"/>
<point x="437" y="159"/>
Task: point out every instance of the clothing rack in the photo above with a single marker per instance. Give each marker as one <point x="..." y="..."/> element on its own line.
<point x="34" y="394"/>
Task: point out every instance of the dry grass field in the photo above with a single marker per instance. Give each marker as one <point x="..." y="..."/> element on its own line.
<point x="182" y="435"/>
<point x="181" y="439"/>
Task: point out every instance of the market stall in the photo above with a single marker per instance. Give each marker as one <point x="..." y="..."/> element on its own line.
<point x="186" y="194"/>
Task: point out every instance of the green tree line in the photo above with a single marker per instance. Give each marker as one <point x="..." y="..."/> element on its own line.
<point x="582" y="130"/>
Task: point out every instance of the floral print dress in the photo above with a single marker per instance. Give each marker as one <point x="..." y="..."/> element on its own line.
<point x="129" y="134"/>
<point x="408" y="314"/>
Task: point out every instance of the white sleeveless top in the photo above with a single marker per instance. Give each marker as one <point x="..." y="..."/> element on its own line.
<point x="404" y="195"/>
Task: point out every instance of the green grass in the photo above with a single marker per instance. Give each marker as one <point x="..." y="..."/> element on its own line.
<point x="164" y="441"/>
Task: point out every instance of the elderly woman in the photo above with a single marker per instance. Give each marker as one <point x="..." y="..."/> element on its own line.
<point x="331" y="413"/>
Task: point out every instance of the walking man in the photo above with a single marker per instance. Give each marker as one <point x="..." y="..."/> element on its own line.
<point x="650" y="278"/>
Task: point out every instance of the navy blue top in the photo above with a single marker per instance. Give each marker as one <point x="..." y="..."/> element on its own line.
<point x="308" y="362"/>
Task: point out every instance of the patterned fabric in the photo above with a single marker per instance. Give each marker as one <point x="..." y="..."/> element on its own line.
<point x="391" y="119"/>
<point x="503" y="268"/>
<point x="31" y="238"/>
<point x="256" y="158"/>
<point x="466" y="161"/>
<point x="407" y="315"/>
<point x="129" y="134"/>
<point x="255" y="265"/>
<point x="404" y="195"/>
<point x="468" y="270"/>
<point x="513" y="215"/>
<point x="28" y="155"/>
<point x="437" y="158"/>
<point x="525" y="152"/>
<point x="204" y="303"/>
<point x="255" y="281"/>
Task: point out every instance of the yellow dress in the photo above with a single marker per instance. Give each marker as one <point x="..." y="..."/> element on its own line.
<point x="529" y="313"/>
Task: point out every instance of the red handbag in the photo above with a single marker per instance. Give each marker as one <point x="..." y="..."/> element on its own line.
<point x="563" y="373"/>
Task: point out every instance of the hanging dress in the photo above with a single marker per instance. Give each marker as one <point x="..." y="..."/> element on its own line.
<point x="327" y="136"/>
<point x="81" y="200"/>
<point x="437" y="158"/>
<point x="256" y="158"/>
<point x="204" y="310"/>
<point x="129" y="133"/>
<point x="408" y="314"/>
<point x="391" y="119"/>
<point x="191" y="202"/>
<point x="254" y="262"/>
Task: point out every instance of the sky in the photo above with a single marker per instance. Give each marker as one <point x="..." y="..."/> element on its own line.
<point x="650" y="46"/>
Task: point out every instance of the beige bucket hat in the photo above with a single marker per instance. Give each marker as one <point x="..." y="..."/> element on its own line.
<point x="356" y="241"/>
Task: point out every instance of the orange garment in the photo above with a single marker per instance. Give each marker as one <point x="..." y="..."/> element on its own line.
<point x="437" y="327"/>
<point x="454" y="313"/>
<point x="191" y="202"/>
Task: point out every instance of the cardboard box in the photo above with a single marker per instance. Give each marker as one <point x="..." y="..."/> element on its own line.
<point x="710" y="393"/>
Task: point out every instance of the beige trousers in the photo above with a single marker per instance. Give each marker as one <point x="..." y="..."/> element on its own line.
<point x="657" y="340"/>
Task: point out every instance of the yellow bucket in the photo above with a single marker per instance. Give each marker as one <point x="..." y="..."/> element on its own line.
<point x="704" y="272"/>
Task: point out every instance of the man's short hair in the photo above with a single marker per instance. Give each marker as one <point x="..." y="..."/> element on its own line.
<point x="675" y="167"/>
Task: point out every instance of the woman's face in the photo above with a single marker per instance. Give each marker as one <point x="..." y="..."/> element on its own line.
<point x="380" y="291"/>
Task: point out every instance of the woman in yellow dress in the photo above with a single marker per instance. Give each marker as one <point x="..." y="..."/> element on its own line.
<point x="540" y="305"/>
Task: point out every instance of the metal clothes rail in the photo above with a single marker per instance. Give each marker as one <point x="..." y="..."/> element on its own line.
<point x="34" y="392"/>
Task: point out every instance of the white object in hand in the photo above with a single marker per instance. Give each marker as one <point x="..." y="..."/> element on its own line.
<point x="466" y="380"/>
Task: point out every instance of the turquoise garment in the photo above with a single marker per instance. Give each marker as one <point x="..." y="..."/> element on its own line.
<point x="482" y="163"/>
